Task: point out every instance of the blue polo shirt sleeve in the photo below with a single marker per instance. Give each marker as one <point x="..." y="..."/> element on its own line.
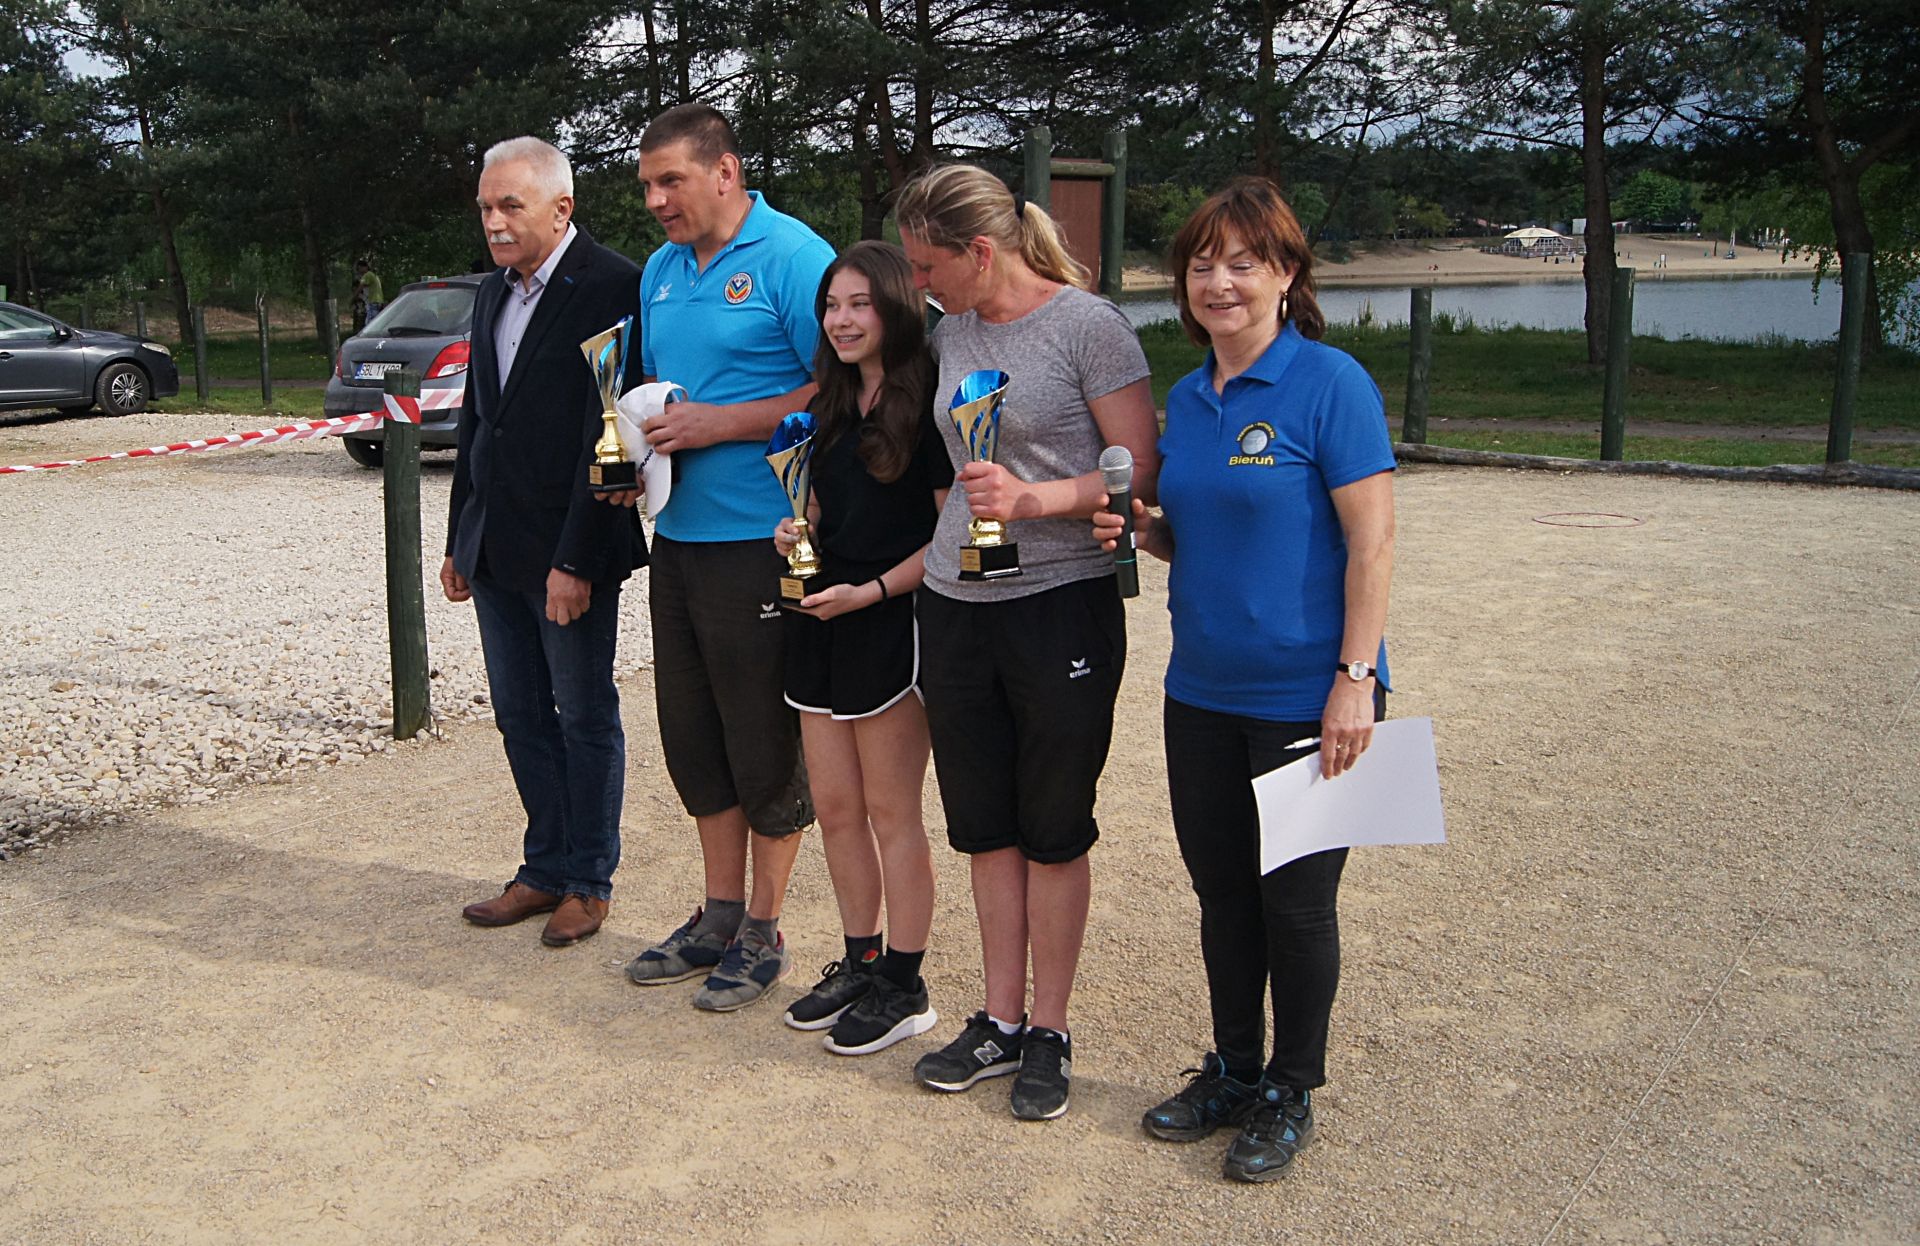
<point x="1350" y="439"/>
<point x="649" y="281"/>
<point x="805" y="267"/>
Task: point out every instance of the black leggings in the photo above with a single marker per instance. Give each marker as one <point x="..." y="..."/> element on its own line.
<point x="1281" y="929"/>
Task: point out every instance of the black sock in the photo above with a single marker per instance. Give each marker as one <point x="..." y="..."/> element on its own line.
<point x="864" y="950"/>
<point x="902" y="968"/>
<point x="1249" y="1073"/>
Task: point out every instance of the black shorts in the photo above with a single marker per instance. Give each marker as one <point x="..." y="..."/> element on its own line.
<point x="729" y="737"/>
<point x="1020" y="699"/>
<point x="857" y="664"/>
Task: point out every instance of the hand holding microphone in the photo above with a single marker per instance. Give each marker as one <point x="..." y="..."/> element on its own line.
<point x="1116" y="473"/>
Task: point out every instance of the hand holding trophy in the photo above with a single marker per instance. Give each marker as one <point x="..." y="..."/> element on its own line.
<point x="975" y="409"/>
<point x="612" y="470"/>
<point x="790" y="455"/>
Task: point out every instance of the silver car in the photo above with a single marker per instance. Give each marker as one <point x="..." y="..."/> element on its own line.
<point x="426" y="328"/>
<point x="47" y="363"/>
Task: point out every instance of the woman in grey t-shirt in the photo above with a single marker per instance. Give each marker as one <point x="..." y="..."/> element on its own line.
<point x="1020" y="671"/>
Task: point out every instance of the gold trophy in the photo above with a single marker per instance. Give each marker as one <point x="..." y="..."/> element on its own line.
<point x="790" y="455"/>
<point x="976" y="414"/>
<point x="612" y="470"/>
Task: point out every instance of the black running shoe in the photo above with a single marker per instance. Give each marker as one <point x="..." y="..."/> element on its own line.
<point x="1046" y="1067"/>
<point x="882" y="1017"/>
<point x="841" y="985"/>
<point x="981" y="1051"/>
<point x="1209" y="1100"/>
<point x="1282" y="1123"/>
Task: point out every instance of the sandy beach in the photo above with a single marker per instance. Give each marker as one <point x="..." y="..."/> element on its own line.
<point x="1460" y="261"/>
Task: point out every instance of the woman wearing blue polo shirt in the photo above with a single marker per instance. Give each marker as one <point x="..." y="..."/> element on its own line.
<point x="1278" y="522"/>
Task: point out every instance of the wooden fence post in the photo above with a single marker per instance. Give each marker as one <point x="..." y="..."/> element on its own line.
<point x="1039" y="167"/>
<point x="200" y="379"/>
<point x="266" y="362"/>
<point x="1113" y="225"/>
<point x="1846" y="382"/>
<point x="406" y="600"/>
<point x="1413" y="427"/>
<point x="1613" y="406"/>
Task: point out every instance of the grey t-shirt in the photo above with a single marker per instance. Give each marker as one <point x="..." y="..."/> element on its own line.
<point x="1070" y="350"/>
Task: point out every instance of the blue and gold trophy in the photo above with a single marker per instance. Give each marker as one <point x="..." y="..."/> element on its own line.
<point x="976" y="414"/>
<point x="612" y="469"/>
<point x="790" y="455"/>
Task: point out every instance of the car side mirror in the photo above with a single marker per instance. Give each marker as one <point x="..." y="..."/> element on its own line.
<point x="61" y="333"/>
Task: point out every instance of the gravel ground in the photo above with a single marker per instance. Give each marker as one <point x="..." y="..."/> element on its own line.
<point x="1660" y="987"/>
<point x="163" y="652"/>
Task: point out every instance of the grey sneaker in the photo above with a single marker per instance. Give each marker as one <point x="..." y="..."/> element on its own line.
<point x="681" y="955"/>
<point x="750" y="967"/>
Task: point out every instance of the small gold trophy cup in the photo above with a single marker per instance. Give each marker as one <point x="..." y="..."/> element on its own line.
<point x="790" y="455"/>
<point x="612" y="470"/>
<point x="976" y="414"/>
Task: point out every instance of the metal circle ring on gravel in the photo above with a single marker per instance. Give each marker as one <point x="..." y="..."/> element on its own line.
<point x="1588" y="519"/>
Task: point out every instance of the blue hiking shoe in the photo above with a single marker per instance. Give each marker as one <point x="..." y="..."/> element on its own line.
<point x="1281" y="1124"/>
<point x="1209" y="1100"/>
<point x="748" y="970"/>
<point x="681" y="955"/>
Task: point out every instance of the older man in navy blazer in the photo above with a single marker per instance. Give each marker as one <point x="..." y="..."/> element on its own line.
<point x="540" y="559"/>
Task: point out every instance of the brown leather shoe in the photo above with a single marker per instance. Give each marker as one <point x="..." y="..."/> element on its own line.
<point x="577" y="918"/>
<point x="515" y="904"/>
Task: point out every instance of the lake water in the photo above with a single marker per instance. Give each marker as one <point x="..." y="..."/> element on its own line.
<point x="1731" y="309"/>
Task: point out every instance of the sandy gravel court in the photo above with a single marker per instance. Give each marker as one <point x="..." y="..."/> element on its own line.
<point x="1659" y="988"/>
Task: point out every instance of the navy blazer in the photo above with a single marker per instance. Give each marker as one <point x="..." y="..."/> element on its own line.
<point x="521" y="506"/>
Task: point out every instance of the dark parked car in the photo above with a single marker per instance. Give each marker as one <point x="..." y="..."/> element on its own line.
<point x="425" y="328"/>
<point x="45" y="363"/>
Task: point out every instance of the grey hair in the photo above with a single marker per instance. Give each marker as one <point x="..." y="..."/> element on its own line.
<point x="550" y="166"/>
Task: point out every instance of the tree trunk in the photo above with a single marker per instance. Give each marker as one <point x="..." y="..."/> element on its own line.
<point x="1593" y="165"/>
<point x="653" y="61"/>
<point x="872" y="210"/>
<point x="683" y="51"/>
<point x="1838" y="174"/>
<point x="162" y="215"/>
<point x="316" y="258"/>
<point x="923" y="85"/>
<point x="1265" y="162"/>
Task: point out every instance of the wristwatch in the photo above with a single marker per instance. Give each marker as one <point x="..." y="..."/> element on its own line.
<point x="1358" y="672"/>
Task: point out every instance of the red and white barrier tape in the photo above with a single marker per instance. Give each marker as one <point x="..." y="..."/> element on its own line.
<point x="407" y="409"/>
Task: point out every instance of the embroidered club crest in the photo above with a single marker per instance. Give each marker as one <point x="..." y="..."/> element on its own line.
<point x="739" y="286"/>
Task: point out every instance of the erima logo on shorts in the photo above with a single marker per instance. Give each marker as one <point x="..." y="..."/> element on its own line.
<point x="1078" y="669"/>
<point x="769" y="610"/>
<point x="1254" y="440"/>
<point x="739" y="286"/>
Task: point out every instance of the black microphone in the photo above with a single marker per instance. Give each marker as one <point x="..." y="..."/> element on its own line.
<point x="1116" y="472"/>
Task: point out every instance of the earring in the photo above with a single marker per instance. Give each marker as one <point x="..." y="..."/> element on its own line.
<point x="1283" y="305"/>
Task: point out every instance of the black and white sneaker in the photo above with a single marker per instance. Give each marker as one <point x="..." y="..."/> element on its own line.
<point x="882" y="1017"/>
<point x="1046" y="1068"/>
<point x="841" y="986"/>
<point x="981" y="1051"/>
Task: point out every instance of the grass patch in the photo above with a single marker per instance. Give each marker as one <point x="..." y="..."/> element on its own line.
<point x="1520" y="374"/>
<point x="1715" y="451"/>
<point x="296" y="404"/>
<point x="231" y="356"/>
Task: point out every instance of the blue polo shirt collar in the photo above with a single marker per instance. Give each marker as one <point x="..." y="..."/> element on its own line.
<point x="752" y="229"/>
<point x="1272" y="363"/>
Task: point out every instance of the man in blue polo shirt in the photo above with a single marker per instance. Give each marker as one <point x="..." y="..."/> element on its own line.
<point x="727" y="312"/>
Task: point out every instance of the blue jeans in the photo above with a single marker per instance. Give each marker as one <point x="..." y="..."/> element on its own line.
<point x="558" y="711"/>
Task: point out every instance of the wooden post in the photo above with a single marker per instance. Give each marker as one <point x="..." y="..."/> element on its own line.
<point x="86" y="313"/>
<point x="1039" y="171"/>
<point x="139" y="318"/>
<point x="200" y="353"/>
<point x="332" y="344"/>
<point x="406" y="600"/>
<point x="266" y="362"/>
<point x="1113" y="225"/>
<point x="1413" y="427"/>
<point x="1613" y="406"/>
<point x="1846" y="382"/>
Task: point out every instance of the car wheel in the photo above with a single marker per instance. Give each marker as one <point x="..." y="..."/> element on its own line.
<point x="122" y="389"/>
<point x="365" y="453"/>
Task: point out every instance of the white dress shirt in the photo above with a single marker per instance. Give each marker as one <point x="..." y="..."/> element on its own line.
<point x="517" y="312"/>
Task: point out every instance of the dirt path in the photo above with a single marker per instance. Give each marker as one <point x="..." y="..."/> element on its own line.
<point x="1659" y="988"/>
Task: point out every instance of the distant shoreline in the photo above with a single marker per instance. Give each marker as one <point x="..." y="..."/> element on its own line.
<point x="1401" y="265"/>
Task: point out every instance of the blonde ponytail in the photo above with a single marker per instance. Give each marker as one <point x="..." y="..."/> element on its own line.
<point x="950" y="205"/>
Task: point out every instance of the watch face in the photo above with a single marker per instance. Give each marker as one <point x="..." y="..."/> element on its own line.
<point x="1358" y="671"/>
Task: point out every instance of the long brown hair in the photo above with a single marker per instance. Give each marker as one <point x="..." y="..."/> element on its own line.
<point x="1252" y="210"/>
<point x="891" y="431"/>
<point x="950" y="205"/>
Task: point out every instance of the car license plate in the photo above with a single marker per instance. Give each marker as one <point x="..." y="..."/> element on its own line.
<point x="375" y="371"/>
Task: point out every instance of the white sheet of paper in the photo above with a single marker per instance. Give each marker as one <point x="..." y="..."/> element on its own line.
<point x="1390" y="796"/>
